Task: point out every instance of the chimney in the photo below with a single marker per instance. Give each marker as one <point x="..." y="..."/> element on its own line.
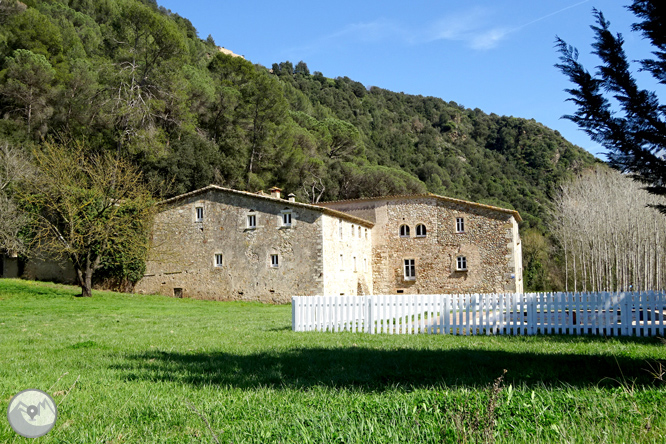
<point x="292" y="197"/>
<point x="275" y="192"/>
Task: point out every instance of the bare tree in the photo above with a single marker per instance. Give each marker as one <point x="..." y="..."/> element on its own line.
<point x="612" y="239"/>
<point x="14" y="168"/>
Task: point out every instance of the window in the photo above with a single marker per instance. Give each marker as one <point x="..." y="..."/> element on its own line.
<point x="359" y="232"/>
<point x="218" y="260"/>
<point x="252" y="221"/>
<point x="352" y="228"/>
<point x="355" y="264"/>
<point x="461" y="263"/>
<point x="366" y="233"/>
<point x="274" y="260"/>
<point x="286" y="219"/>
<point x="342" y="262"/>
<point x="460" y="225"/>
<point x="410" y="270"/>
<point x="199" y="214"/>
<point x="420" y="230"/>
<point x="404" y="231"/>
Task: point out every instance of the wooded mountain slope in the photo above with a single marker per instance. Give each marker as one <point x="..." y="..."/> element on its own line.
<point x="129" y="76"/>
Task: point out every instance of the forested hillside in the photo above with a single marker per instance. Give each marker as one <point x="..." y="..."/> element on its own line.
<point x="131" y="77"/>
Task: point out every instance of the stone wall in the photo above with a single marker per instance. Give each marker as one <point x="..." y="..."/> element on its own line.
<point x="8" y="266"/>
<point x="489" y="243"/>
<point x="182" y="259"/>
<point x="43" y="267"/>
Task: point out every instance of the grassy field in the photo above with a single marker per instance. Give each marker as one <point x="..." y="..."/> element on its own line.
<point x="129" y="368"/>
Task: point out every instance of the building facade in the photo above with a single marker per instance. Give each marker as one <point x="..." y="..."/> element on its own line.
<point x="432" y="244"/>
<point x="223" y="244"/>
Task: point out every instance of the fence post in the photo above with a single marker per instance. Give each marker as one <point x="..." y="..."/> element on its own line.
<point x="530" y="308"/>
<point x="625" y="316"/>
<point x="369" y="327"/>
<point x="293" y="313"/>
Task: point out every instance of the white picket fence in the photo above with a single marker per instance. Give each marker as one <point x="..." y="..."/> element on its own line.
<point x="610" y="314"/>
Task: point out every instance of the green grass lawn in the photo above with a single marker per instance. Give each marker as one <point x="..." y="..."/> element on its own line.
<point x="129" y="368"/>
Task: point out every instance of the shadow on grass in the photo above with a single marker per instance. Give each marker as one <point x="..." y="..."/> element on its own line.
<point x="372" y="369"/>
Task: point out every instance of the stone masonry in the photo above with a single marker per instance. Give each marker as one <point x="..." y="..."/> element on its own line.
<point x="223" y="244"/>
<point x="486" y="244"/>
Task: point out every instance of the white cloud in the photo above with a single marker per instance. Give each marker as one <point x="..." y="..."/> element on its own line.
<point x="371" y="32"/>
<point x="471" y="27"/>
<point x="475" y="27"/>
<point x="488" y="39"/>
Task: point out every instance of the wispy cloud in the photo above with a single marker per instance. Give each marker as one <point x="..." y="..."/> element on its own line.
<point x="470" y="26"/>
<point x="550" y="15"/>
<point x="377" y="31"/>
<point x="475" y="27"/>
<point x="371" y="32"/>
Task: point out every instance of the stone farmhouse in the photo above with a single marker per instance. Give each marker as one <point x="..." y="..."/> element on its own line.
<point x="219" y="243"/>
<point x="434" y="244"/>
<point x="224" y="244"/>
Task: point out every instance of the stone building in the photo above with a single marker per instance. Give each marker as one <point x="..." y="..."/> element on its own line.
<point x="9" y="265"/>
<point x="224" y="244"/>
<point x="39" y="267"/>
<point x="434" y="244"/>
<point x="218" y="243"/>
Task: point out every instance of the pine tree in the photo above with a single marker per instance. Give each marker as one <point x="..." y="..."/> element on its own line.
<point x="633" y="126"/>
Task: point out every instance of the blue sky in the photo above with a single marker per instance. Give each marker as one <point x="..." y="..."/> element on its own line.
<point x="494" y="55"/>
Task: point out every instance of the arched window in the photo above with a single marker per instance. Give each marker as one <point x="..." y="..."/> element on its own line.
<point x="420" y="230"/>
<point x="404" y="230"/>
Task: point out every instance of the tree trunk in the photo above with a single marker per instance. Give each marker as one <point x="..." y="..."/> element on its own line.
<point x="84" y="276"/>
<point x="86" y="288"/>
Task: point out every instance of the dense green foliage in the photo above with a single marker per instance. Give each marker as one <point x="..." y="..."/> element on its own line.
<point x="129" y="76"/>
<point x="149" y="369"/>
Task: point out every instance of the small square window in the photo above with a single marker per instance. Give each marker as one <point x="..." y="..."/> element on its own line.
<point x="274" y="260"/>
<point x="218" y="260"/>
<point x="252" y="221"/>
<point x="286" y="219"/>
<point x="461" y="263"/>
<point x="460" y="225"/>
<point x="199" y="214"/>
<point x="410" y="269"/>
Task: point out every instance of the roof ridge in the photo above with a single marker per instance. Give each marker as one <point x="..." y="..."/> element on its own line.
<point x="329" y="211"/>
<point x="515" y="213"/>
